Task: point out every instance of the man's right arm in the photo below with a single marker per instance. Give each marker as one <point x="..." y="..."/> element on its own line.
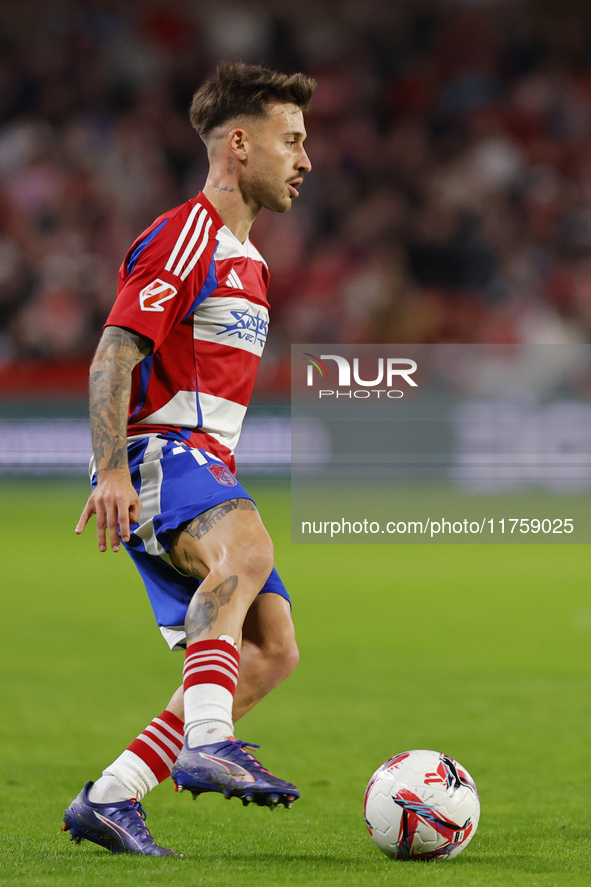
<point x="114" y="500"/>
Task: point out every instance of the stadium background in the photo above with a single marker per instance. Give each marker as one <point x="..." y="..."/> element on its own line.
<point x="450" y="201"/>
<point x="451" y="192"/>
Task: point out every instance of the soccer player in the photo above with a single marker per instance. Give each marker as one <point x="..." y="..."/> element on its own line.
<point x="169" y="386"/>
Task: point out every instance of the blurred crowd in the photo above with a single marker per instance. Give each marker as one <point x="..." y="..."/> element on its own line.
<point x="450" y="199"/>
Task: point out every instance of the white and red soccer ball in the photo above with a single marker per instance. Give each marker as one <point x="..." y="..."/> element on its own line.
<point x="421" y="805"/>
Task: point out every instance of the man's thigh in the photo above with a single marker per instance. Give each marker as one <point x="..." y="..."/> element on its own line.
<point x="231" y="534"/>
<point x="175" y="483"/>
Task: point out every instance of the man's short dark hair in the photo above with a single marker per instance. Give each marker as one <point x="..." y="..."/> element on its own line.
<point x="237" y="90"/>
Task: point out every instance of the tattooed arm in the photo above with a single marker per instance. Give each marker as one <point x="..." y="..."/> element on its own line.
<point x="114" y="500"/>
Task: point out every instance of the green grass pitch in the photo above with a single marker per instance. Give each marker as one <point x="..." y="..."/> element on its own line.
<point x="479" y="651"/>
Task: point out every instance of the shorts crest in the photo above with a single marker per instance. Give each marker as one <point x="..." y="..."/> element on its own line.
<point x="223" y="475"/>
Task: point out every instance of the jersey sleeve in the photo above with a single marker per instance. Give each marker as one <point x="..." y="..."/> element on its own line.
<point x="167" y="272"/>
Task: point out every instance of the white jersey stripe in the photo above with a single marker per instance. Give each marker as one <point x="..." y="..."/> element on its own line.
<point x="197" y="254"/>
<point x="221" y="418"/>
<point x="231" y="248"/>
<point x="192" y="241"/>
<point x="234" y="321"/>
<point x="181" y="410"/>
<point x="181" y="238"/>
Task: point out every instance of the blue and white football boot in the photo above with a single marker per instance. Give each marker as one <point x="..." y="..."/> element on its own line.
<point x="119" y="828"/>
<point x="228" y="768"/>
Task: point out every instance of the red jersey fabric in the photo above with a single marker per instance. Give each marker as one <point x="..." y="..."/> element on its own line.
<point x="200" y="295"/>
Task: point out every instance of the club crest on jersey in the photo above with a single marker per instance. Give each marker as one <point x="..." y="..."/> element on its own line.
<point x="153" y="296"/>
<point x="223" y="475"/>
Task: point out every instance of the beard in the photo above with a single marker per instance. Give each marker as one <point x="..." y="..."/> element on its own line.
<point x="265" y="191"/>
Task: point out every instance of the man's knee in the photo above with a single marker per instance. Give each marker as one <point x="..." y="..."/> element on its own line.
<point x="244" y="550"/>
<point x="252" y="559"/>
<point x="269" y="664"/>
<point x="290" y="658"/>
<point x="269" y="630"/>
<point x="281" y="654"/>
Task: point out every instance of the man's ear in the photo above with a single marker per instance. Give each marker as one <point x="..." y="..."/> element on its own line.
<point x="238" y="144"/>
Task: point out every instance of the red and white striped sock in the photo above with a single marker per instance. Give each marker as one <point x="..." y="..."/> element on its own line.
<point x="145" y="763"/>
<point x="210" y="676"/>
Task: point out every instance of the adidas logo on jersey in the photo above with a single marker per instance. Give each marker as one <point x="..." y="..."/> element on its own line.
<point x="234" y="281"/>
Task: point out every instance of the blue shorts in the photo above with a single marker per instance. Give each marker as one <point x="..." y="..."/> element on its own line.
<point x="175" y="483"/>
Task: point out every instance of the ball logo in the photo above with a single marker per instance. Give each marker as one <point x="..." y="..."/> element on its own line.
<point x="153" y="296"/>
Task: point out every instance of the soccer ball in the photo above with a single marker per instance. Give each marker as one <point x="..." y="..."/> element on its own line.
<point x="421" y="805"/>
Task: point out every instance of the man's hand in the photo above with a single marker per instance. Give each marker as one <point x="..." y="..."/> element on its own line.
<point x="116" y="505"/>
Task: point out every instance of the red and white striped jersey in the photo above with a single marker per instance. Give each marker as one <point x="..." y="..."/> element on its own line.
<point x="200" y="295"/>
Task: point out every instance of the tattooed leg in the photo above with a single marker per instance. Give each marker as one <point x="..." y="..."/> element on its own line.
<point x="228" y="549"/>
<point x="204" y="608"/>
<point x="201" y="525"/>
<point x="198" y="528"/>
<point x="268" y="655"/>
